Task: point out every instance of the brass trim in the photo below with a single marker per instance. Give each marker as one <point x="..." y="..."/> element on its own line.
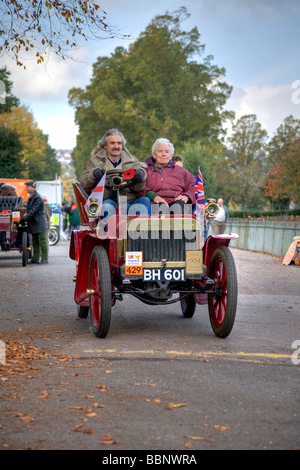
<point x="194" y="262"/>
<point x="164" y="224"/>
<point x="169" y="264"/>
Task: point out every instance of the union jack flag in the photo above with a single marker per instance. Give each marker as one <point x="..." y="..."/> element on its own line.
<point x="199" y="193"/>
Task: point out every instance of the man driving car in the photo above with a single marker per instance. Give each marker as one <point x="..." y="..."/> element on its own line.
<point x="109" y="154"/>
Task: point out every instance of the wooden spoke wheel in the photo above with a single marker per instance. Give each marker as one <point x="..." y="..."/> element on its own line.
<point x="100" y="296"/>
<point x="222" y="303"/>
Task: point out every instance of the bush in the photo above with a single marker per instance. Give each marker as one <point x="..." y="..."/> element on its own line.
<point x="256" y="213"/>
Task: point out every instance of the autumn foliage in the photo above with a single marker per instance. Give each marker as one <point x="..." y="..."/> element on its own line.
<point x="283" y="180"/>
<point x="37" y="26"/>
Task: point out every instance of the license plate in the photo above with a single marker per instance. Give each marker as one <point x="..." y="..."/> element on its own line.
<point x="16" y="216"/>
<point x="133" y="263"/>
<point x="163" y="274"/>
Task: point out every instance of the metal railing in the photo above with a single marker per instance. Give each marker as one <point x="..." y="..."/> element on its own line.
<point x="264" y="236"/>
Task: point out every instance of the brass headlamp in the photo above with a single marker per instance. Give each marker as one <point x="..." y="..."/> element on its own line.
<point x="212" y="209"/>
<point x="93" y="208"/>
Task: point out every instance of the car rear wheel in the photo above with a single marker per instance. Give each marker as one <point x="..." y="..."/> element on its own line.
<point x="82" y="311"/>
<point x="100" y="292"/>
<point x="24" y="248"/>
<point x="188" y="306"/>
<point x="222" y="303"/>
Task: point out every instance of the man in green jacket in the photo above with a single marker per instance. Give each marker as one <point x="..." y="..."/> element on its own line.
<point x="36" y="219"/>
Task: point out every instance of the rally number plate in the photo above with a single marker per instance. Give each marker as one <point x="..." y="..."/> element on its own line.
<point x="164" y="274"/>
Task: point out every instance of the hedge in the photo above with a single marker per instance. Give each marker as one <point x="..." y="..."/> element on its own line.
<point x="256" y="213"/>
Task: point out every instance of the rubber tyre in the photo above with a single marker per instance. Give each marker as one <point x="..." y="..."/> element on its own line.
<point x="222" y="305"/>
<point x="24" y="248"/>
<point x="82" y="311"/>
<point x="101" y="300"/>
<point x="188" y="306"/>
<point x="54" y="236"/>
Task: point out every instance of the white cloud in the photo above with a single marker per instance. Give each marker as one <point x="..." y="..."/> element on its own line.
<point x="43" y="88"/>
<point x="53" y="78"/>
<point x="61" y="129"/>
<point x="270" y="104"/>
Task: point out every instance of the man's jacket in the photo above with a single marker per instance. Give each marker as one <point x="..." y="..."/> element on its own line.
<point x="100" y="160"/>
<point x="35" y="213"/>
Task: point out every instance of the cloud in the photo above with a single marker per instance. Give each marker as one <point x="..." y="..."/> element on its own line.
<point x="270" y="104"/>
<point x="43" y="88"/>
<point x="61" y="129"/>
<point x="51" y="79"/>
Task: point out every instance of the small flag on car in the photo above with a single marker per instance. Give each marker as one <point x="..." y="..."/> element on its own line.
<point x="199" y="193"/>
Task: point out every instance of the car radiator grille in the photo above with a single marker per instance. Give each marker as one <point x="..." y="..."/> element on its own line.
<point x="171" y="246"/>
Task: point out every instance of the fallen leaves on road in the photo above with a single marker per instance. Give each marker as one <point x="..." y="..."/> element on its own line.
<point x="19" y="354"/>
<point x="44" y="394"/>
<point x="221" y="428"/>
<point x="103" y="388"/>
<point x="27" y="419"/>
<point x="175" y="405"/>
<point x="78" y="427"/>
<point x="108" y="440"/>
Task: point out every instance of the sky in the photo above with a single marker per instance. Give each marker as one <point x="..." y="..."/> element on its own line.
<point x="256" y="41"/>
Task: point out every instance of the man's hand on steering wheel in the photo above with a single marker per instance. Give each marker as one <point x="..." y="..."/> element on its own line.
<point x="138" y="177"/>
<point x="98" y="173"/>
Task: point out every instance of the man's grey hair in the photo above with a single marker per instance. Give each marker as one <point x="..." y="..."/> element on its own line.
<point x="164" y="142"/>
<point x="102" y="142"/>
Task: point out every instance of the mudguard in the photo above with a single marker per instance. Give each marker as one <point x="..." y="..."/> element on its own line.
<point x="213" y="242"/>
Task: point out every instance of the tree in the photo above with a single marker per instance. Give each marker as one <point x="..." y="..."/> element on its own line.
<point x="205" y="157"/>
<point x="31" y="137"/>
<point x="28" y="148"/>
<point x="247" y="160"/>
<point x="10" y="153"/>
<point x="154" y="89"/>
<point x="37" y="25"/>
<point x="8" y="100"/>
<point x="283" y="181"/>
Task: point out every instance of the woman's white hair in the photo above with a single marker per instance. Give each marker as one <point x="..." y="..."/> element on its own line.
<point x="163" y="141"/>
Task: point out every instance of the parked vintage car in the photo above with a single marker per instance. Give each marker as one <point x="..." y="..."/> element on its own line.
<point x="158" y="259"/>
<point x="14" y="235"/>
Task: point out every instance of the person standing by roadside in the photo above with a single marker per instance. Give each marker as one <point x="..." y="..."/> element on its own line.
<point x="36" y="219"/>
<point x="74" y="218"/>
<point x="218" y="224"/>
<point x="48" y="214"/>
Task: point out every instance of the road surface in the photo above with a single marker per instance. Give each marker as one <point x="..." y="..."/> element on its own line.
<point x="158" y="381"/>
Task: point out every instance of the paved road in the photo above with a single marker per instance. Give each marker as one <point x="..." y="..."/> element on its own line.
<point x="158" y="381"/>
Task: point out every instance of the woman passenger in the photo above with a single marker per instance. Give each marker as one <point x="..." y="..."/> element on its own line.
<point x="168" y="184"/>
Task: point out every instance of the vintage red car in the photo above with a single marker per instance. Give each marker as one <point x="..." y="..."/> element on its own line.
<point x="14" y="236"/>
<point x="159" y="259"/>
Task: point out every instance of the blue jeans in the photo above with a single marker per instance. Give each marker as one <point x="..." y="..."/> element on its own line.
<point x="142" y="206"/>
